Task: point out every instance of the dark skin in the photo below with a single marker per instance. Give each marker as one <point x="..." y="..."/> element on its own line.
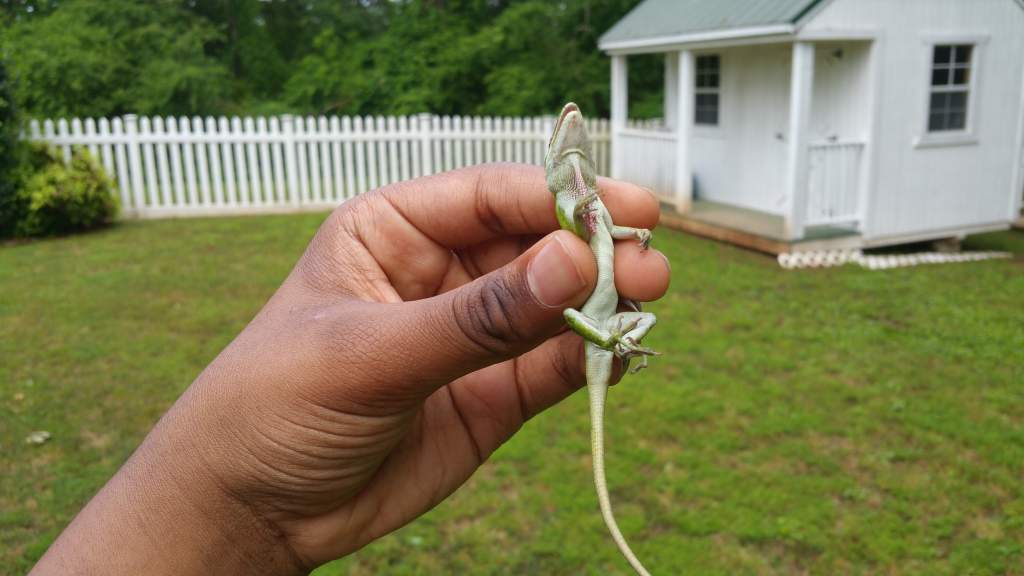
<point x="419" y="331"/>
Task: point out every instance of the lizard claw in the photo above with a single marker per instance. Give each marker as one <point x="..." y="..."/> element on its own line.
<point x="644" y="237"/>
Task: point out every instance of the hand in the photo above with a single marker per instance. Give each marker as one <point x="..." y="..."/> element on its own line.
<point x="421" y="328"/>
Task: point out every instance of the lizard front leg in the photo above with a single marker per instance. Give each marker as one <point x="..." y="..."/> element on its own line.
<point x="641" y="235"/>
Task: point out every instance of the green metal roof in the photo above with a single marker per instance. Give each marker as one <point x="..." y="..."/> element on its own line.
<point x="668" y="18"/>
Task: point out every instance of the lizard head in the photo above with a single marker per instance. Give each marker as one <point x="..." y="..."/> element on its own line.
<point x="567" y="160"/>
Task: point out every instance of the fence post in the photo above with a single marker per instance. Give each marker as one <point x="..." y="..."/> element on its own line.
<point x="131" y="124"/>
<point x="426" y="142"/>
<point x="291" y="165"/>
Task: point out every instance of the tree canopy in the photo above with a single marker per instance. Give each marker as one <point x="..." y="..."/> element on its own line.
<point x="507" y="57"/>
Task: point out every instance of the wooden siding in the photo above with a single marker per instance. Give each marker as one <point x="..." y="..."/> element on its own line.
<point x="915" y="189"/>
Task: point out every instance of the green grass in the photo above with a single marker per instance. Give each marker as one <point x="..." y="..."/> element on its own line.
<point x="818" y="421"/>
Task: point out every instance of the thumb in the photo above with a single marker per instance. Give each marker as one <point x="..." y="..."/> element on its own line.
<point x="496" y="317"/>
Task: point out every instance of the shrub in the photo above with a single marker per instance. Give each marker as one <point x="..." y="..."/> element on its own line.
<point x="63" y="198"/>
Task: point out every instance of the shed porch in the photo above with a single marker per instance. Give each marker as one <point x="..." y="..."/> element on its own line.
<point x="762" y="144"/>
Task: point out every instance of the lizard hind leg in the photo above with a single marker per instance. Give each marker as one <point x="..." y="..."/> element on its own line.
<point x="633" y="326"/>
<point x="599" y="373"/>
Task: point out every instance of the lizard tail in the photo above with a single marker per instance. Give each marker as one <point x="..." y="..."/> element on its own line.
<point x="598" y="391"/>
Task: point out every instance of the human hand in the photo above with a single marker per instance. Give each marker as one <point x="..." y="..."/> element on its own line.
<point x="420" y="330"/>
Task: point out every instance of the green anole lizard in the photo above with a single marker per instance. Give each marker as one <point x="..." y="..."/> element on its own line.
<point x="572" y="178"/>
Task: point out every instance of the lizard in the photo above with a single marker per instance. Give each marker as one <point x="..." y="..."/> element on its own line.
<point x="572" y="179"/>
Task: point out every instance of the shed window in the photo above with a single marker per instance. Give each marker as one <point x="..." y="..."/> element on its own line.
<point x="950" y="87"/>
<point x="707" y="90"/>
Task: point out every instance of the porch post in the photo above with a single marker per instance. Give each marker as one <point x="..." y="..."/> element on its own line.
<point x="620" y="110"/>
<point x="800" y="92"/>
<point x="684" y="124"/>
<point x="671" y="90"/>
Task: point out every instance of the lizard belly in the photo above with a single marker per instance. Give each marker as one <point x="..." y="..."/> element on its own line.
<point x="605" y="300"/>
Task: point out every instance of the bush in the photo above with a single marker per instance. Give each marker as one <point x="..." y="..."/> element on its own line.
<point x="61" y="198"/>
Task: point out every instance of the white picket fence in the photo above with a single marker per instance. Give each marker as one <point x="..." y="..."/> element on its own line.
<point x="194" y="166"/>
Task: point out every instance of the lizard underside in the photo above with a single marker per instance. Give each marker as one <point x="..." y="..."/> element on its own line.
<point x="609" y="332"/>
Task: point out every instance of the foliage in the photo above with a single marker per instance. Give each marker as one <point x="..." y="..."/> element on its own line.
<point x="837" y="421"/>
<point x="61" y="198"/>
<point x="505" y="57"/>
<point x="110" y="57"/>
<point x="12" y="158"/>
<point x="522" y="58"/>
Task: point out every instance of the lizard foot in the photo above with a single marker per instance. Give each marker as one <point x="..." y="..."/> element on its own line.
<point x="643" y="236"/>
<point x="630" y="328"/>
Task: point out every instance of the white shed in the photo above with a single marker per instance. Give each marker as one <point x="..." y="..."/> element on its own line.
<point x="823" y="123"/>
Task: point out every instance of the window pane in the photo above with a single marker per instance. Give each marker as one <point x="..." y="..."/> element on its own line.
<point x="940" y="76"/>
<point x="957" y="101"/>
<point x="956" y="121"/>
<point x="707" y="100"/>
<point x="707" y="63"/>
<point x="961" y="76"/>
<point x="939" y="102"/>
<point x="702" y="80"/>
<point x="707" y="116"/>
<point x="942" y="54"/>
<point x="936" y="122"/>
<point x="962" y="53"/>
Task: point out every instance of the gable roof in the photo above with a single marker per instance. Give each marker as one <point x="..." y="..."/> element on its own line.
<point x="655" y="19"/>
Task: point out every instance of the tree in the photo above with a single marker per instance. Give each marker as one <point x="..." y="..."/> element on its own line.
<point x="107" y="57"/>
<point x="506" y="57"/>
<point x="12" y="155"/>
<point x="463" y="57"/>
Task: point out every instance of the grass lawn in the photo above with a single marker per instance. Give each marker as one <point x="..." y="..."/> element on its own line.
<point x="835" y="421"/>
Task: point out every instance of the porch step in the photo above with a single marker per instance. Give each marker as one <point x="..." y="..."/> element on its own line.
<point x="747" y="240"/>
<point x="711" y="221"/>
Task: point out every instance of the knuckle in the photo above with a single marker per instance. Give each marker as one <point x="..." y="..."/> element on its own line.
<point x="489" y="316"/>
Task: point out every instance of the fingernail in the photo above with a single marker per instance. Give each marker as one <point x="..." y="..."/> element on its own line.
<point x="552" y="275"/>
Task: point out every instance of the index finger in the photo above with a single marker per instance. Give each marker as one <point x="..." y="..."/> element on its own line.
<point x="471" y="205"/>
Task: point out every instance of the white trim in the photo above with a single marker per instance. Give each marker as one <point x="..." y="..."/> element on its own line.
<point x="619" y="109"/>
<point x="670" y="102"/>
<point x="872" y="144"/>
<point x="1017" y="178"/>
<point x="830" y="34"/>
<point x="724" y="44"/>
<point x="692" y="37"/>
<point x="684" y="169"/>
<point x="801" y="88"/>
<point x="946" y="139"/>
<point x="704" y="129"/>
<point x="651" y="134"/>
<point x="956" y="231"/>
<point x="969" y="135"/>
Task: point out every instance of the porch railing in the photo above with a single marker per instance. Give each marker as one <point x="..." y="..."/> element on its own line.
<point x="649" y="159"/>
<point x="834" y="183"/>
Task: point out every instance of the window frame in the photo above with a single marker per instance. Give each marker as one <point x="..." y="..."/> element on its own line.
<point x="698" y="91"/>
<point x="968" y="134"/>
